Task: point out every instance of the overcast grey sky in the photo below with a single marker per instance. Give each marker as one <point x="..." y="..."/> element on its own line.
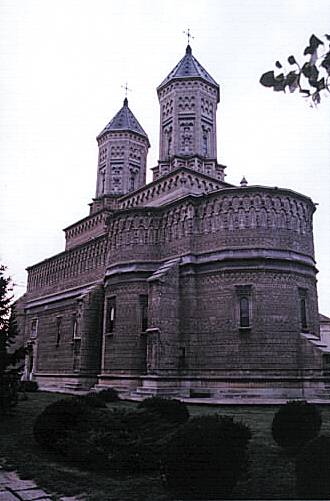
<point x="63" y="64"/>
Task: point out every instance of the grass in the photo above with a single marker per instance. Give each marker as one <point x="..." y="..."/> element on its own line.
<point x="271" y="472"/>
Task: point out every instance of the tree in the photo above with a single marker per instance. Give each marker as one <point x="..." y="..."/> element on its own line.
<point x="9" y="356"/>
<point x="311" y="79"/>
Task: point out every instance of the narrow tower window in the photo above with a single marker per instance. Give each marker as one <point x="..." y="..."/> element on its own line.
<point x="244" y="313"/>
<point x="58" y="330"/>
<point x="205" y="143"/>
<point x="103" y="182"/>
<point x="75" y="330"/>
<point x="303" y="313"/>
<point x="244" y="310"/>
<point x="169" y="143"/>
<point x="303" y="308"/>
<point x="110" y="315"/>
<point x="34" y="329"/>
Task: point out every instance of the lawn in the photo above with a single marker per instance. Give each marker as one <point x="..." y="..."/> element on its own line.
<point x="271" y="474"/>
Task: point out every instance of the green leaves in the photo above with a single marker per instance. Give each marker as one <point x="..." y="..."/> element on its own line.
<point x="314" y="43"/>
<point x="311" y="79"/>
<point x="268" y="79"/>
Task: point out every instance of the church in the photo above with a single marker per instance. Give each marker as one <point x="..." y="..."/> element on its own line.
<point x="187" y="286"/>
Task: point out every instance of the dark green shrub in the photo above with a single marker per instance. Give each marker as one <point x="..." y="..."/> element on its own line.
<point x="109" y="395"/>
<point x="172" y="410"/>
<point x="313" y="470"/>
<point x="116" y="441"/>
<point x="58" y="419"/>
<point x="205" y="457"/>
<point x="129" y="443"/>
<point x="28" y="386"/>
<point x="296" y="423"/>
<point x="92" y="399"/>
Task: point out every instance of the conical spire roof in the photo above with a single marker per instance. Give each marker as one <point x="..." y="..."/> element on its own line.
<point x="124" y="120"/>
<point x="188" y="67"/>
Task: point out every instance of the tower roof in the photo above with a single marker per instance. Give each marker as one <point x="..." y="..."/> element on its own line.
<point x="124" y="120"/>
<point x="188" y="67"/>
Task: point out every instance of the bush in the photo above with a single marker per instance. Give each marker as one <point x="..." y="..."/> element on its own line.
<point x="205" y="457"/>
<point x="116" y="441"/>
<point x="54" y="424"/>
<point x="313" y="470"/>
<point x="296" y="423"/>
<point x="109" y="395"/>
<point x="172" y="410"/>
<point x="92" y="399"/>
<point x="132" y="441"/>
<point x="28" y="386"/>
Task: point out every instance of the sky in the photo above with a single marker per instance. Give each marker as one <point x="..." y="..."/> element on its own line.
<point x="64" y="64"/>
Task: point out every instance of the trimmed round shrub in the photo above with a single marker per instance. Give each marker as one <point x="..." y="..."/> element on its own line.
<point x="205" y="457"/>
<point x="53" y="425"/>
<point x="296" y="423"/>
<point x="172" y="410"/>
<point x="109" y="395"/>
<point x="28" y="386"/>
<point x="313" y="470"/>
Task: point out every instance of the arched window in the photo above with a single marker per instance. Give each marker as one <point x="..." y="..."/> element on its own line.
<point x="303" y="313"/>
<point x="110" y="315"/>
<point x="205" y="143"/>
<point x="58" y="330"/>
<point x="34" y="329"/>
<point x="244" y="312"/>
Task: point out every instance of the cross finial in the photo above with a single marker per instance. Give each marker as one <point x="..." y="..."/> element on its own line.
<point x="126" y="89"/>
<point x="189" y="36"/>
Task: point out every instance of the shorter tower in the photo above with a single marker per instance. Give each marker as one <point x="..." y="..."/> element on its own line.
<point x="123" y="148"/>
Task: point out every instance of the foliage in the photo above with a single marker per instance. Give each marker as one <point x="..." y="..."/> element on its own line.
<point x="53" y="425"/>
<point x="92" y="399"/>
<point x="109" y="395"/>
<point x="117" y="441"/>
<point x="9" y="357"/>
<point x="28" y="386"/>
<point x="172" y="410"/>
<point x="121" y="442"/>
<point x="311" y="79"/>
<point x="296" y="423"/>
<point x="205" y="457"/>
<point x="313" y="470"/>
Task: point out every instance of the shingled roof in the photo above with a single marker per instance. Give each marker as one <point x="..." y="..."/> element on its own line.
<point x="188" y="67"/>
<point x="124" y="120"/>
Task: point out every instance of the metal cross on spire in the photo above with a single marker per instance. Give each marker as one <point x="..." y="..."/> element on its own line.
<point x="189" y="36"/>
<point x="126" y="89"/>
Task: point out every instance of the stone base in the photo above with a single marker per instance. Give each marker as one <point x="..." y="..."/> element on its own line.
<point x="235" y="389"/>
<point x="65" y="383"/>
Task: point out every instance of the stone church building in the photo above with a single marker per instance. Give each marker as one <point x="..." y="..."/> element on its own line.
<point x="187" y="286"/>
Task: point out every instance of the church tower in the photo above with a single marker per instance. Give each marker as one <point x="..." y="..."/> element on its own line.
<point x="188" y="100"/>
<point x="123" y="148"/>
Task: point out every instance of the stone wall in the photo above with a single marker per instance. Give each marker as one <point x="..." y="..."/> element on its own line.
<point x="124" y="349"/>
<point x="81" y="265"/>
<point x="68" y="337"/>
<point x="231" y="218"/>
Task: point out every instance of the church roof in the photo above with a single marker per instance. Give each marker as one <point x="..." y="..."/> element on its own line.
<point x="188" y="67"/>
<point x="124" y="120"/>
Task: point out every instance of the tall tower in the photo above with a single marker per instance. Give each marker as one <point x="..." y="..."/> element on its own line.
<point x="188" y="100"/>
<point x="123" y="148"/>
